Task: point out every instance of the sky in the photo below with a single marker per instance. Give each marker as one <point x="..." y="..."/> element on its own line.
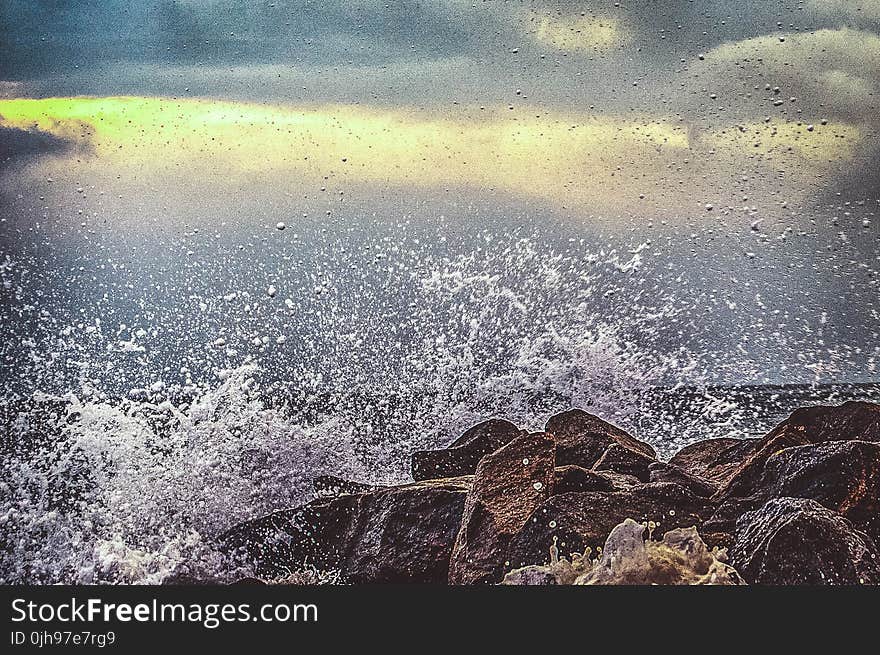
<point x="608" y="106"/>
<point x="737" y="142"/>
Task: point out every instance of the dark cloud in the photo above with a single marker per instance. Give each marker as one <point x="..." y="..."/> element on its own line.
<point x="42" y="39"/>
<point x="21" y="144"/>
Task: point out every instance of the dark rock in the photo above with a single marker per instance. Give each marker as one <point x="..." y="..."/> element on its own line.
<point x="581" y="438"/>
<point x="717" y="539"/>
<point x="183" y="577"/>
<point x="715" y="460"/>
<point x="621" y="459"/>
<point x="663" y="472"/>
<point x="397" y="534"/>
<point x="798" y="541"/>
<point x="844" y="476"/>
<point x="330" y="486"/>
<point x="463" y="454"/>
<point x="574" y="478"/>
<point x="585" y="519"/>
<point x="851" y="421"/>
<point x="508" y="485"/>
<point x="620" y="481"/>
<point x="749" y="472"/>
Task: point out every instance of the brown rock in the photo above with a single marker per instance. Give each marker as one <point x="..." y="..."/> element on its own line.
<point x="621" y="459"/>
<point x="663" y="472"/>
<point x="574" y="478"/>
<point x="463" y="454"/>
<point x="620" y="481"/>
<point x="397" y="534"/>
<point x="582" y="438"/>
<point x="749" y="472"/>
<point x="797" y="541"/>
<point x="714" y="459"/>
<point x="851" y="421"/>
<point x="508" y="485"/>
<point x="579" y="520"/>
<point x="844" y="476"/>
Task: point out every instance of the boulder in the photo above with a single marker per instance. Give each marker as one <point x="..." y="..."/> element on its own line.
<point x="574" y="478"/>
<point x="715" y="460"/>
<point x="851" y="421"/>
<point x="508" y="486"/>
<point x="396" y="534"/>
<point x="797" y="541"/>
<point x="463" y="454"/>
<point x="663" y="472"/>
<point x="581" y="438"/>
<point x="844" y="476"/>
<point x="621" y="459"/>
<point x="579" y="520"/>
<point x="620" y="481"/>
<point x="750" y="471"/>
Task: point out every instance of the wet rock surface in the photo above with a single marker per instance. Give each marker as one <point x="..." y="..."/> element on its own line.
<point x="464" y="454"/>
<point x="581" y="520"/>
<point x="582" y="439"/>
<point x="663" y="472"/>
<point x="792" y="541"/>
<point x="798" y="506"/>
<point x="399" y="534"/>
<point x="713" y="459"/>
<point x="508" y="486"/>
<point x="574" y="478"/>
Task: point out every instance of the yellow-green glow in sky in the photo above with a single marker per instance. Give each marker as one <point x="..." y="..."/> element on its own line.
<point x="575" y="160"/>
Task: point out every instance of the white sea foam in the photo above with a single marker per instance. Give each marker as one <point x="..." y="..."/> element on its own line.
<point x="121" y="487"/>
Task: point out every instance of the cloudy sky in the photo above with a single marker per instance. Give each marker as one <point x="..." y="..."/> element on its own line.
<point x="739" y="140"/>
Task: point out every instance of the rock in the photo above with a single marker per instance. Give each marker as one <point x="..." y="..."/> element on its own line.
<point x="508" y="485"/>
<point x="844" y="476"/>
<point x="620" y="481"/>
<point x="581" y="438"/>
<point x="397" y="534"/>
<point x="681" y="558"/>
<point x="620" y="459"/>
<point x="628" y="559"/>
<point x="579" y="520"/>
<point x="574" y="478"/>
<point x="663" y="472"/>
<point x="463" y="454"/>
<point x="851" y="421"/>
<point x="744" y="478"/>
<point x="328" y="486"/>
<point x="792" y="541"/>
<point x="713" y="459"/>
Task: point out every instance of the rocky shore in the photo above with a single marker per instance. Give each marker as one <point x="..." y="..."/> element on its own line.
<point x="584" y="502"/>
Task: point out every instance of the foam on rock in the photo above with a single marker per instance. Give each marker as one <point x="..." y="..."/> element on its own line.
<point x="681" y="558"/>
